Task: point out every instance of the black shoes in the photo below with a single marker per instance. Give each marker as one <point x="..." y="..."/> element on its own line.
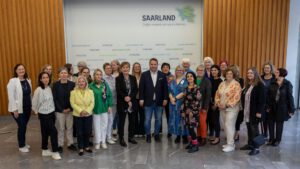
<point x="157" y="138"/>
<point x="132" y="141"/>
<point x="194" y="148"/>
<point x="189" y="146"/>
<point x="276" y="143"/>
<point x="254" y="152"/>
<point x="177" y="140"/>
<point x="122" y="142"/>
<point x="148" y="138"/>
<point x="246" y="147"/>
<point x="80" y="153"/>
<point x="72" y="147"/>
<point x="88" y="150"/>
<point x="185" y="140"/>
<point x="60" y="149"/>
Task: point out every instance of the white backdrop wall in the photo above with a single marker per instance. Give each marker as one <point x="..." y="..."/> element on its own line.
<point x="98" y="31"/>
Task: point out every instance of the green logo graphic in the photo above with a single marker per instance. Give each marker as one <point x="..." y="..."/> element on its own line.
<point x="186" y="13"/>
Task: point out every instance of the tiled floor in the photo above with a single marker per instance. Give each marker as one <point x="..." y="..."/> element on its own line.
<point x="165" y="155"/>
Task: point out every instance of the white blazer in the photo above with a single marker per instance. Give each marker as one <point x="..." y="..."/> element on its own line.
<point x="15" y="95"/>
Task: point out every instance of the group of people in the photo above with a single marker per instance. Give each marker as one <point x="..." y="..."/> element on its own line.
<point x="198" y="105"/>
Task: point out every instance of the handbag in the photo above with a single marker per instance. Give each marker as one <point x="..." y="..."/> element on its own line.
<point x="259" y="140"/>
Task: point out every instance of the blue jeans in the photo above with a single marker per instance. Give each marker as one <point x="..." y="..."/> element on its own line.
<point x="148" y="116"/>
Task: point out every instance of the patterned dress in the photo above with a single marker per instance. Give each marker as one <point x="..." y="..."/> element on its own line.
<point x="175" y="119"/>
<point x="192" y="104"/>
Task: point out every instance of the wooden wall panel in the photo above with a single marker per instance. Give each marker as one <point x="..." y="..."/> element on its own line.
<point x="246" y="32"/>
<point x="32" y="33"/>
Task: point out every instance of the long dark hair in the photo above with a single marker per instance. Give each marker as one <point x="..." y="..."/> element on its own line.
<point x="194" y="75"/>
<point x="40" y="83"/>
<point x="216" y="67"/>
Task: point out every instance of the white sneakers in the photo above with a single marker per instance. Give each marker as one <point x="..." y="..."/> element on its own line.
<point x="97" y="146"/>
<point x="46" y="153"/>
<point x="228" y="148"/>
<point x="55" y="156"/>
<point x="104" y="146"/>
<point x="111" y="141"/>
<point x="24" y="149"/>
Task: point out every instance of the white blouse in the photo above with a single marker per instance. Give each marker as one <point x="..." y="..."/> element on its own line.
<point x="42" y="101"/>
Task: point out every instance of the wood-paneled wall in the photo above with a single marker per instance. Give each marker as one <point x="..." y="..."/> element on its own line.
<point x="32" y="33"/>
<point x="246" y="32"/>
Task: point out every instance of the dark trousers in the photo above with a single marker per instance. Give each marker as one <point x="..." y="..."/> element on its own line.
<point x="279" y="129"/>
<point x="140" y="121"/>
<point x="214" y="122"/>
<point x="131" y="125"/>
<point x="22" y="122"/>
<point x="265" y="123"/>
<point x="192" y="132"/>
<point x="48" y="128"/>
<point x="167" y="111"/>
<point x="252" y="131"/>
<point x="84" y="130"/>
<point x="239" y="120"/>
<point x="116" y="121"/>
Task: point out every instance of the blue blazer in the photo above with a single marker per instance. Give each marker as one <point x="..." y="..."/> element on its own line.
<point x="147" y="89"/>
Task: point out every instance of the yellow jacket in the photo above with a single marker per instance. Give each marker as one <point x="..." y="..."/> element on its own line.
<point x="82" y="100"/>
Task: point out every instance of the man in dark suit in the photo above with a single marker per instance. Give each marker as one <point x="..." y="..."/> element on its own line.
<point x="153" y="96"/>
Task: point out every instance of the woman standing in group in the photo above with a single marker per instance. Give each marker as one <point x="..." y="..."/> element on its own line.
<point x="268" y="78"/>
<point x="127" y="90"/>
<point x="176" y="92"/>
<point x="48" y="68"/>
<point x="115" y="64"/>
<point x="111" y="81"/>
<point x="82" y="102"/>
<point x="165" y="69"/>
<point x="70" y="69"/>
<point x="281" y="107"/>
<point x="205" y="88"/>
<point x="192" y="105"/>
<point x="240" y="117"/>
<point x="214" y="112"/>
<point x="227" y="99"/>
<point x="85" y="71"/>
<point x="19" y="103"/>
<point x="140" y="114"/>
<point x="208" y="62"/>
<point x="64" y="119"/>
<point x="43" y="105"/>
<point x="223" y="66"/>
<point x="103" y="104"/>
<point x="253" y="100"/>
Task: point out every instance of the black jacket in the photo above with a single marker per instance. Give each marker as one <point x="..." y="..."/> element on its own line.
<point x="205" y="89"/>
<point x="279" y="110"/>
<point x="61" y="96"/>
<point x="257" y="102"/>
<point x="147" y="88"/>
<point x="122" y="92"/>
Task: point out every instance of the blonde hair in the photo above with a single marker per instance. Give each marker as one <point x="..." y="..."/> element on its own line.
<point x="208" y="58"/>
<point x="132" y="71"/>
<point x="77" y="81"/>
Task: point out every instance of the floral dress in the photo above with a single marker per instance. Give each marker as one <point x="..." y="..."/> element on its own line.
<point x="175" y="119"/>
<point x="192" y="104"/>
